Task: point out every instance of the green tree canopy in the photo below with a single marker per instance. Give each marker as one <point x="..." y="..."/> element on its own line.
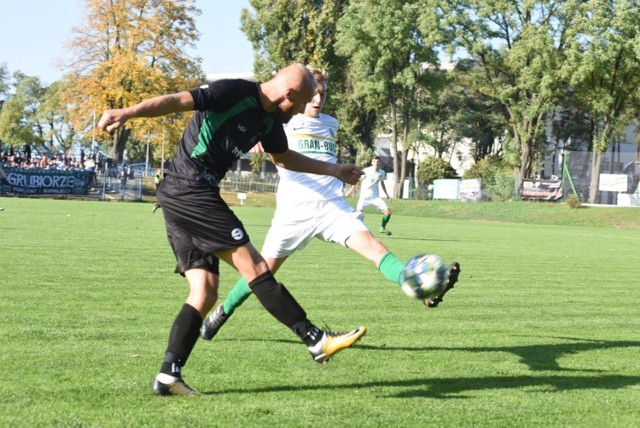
<point x="603" y="72"/>
<point x="519" y="46"/>
<point x="386" y="55"/>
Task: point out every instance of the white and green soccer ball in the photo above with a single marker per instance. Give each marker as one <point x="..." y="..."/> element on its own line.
<point x="424" y="276"/>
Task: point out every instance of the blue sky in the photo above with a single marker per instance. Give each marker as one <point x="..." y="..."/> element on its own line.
<point x="33" y="32"/>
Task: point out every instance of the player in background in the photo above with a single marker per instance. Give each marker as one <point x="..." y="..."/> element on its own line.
<point x="313" y="206"/>
<point x="372" y="179"/>
<point x="230" y="117"/>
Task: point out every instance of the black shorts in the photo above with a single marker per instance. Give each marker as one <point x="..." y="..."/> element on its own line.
<point x="199" y="223"/>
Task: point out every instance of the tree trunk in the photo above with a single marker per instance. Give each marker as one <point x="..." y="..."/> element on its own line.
<point x="398" y="190"/>
<point x="120" y="138"/>
<point x="596" y="163"/>
<point x="394" y="148"/>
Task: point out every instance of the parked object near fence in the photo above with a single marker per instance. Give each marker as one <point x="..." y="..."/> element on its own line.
<point x="541" y="189"/>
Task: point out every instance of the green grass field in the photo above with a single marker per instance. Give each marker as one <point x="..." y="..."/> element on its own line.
<point x="542" y="329"/>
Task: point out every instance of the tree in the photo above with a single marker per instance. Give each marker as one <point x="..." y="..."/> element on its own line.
<point x="18" y="119"/>
<point x="54" y="116"/>
<point x="433" y="168"/>
<point x="603" y="72"/>
<point x="386" y="53"/>
<point x="496" y="175"/>
<point x="36" y="115"/>
<point x="475" y="117"/>
<point x="127" y="51"/>
<point x="519" y="46"/>
<point x="304" y="31"/>
<point x="4" y="82"/>
<point x="286" y="31"/>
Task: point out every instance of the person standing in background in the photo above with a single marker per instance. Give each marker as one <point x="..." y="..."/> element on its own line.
<point x="371" y="181"/>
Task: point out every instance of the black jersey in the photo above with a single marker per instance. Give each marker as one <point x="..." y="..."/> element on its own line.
<point x="228" y="121"/>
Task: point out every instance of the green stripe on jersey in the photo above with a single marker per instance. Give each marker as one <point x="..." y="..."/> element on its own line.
<point x="214" y="120"/>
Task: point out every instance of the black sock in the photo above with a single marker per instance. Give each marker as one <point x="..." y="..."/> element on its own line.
<point x="309" y="333"/>
<point x="183" y="337"/>
<point x="280" y="303"/>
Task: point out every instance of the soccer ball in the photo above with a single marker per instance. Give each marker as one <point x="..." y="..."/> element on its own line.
<point x="424" y="276"/>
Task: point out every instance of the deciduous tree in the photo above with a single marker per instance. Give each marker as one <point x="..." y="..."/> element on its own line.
<point x="304" y="31"/>
<point x="603" y="72"/>
<point x="520" y="46"/>
<point x="18" y="119"/>
<point x="129" y="50"/>
<point x="386" y="54"/>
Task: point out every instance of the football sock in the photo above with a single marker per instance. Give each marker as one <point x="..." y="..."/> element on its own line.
<point x="184" y="334"/>
<point x="385" y="220"/>
<point x="309" y="333"/>
<point x="391" y="268"/>
<point x="280" y="303"/>
<point x="238" y="294"/>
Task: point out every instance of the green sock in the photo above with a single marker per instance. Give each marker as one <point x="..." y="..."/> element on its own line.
<point x="391" y="268"/>
<point x="385" y="220"/>
<point x="238" y="294"/>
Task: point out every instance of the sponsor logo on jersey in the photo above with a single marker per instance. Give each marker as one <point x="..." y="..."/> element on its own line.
<point x="237" y="234"/>
<point x="229" y="146"/>
<point x="316" y="145"/>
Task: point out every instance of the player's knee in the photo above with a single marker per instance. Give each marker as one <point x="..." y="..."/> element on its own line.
<point x="211" y="297"/>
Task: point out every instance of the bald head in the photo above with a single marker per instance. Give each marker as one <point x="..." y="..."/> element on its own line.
<point x="297" y="76"/>
<point x="288" y="91"/>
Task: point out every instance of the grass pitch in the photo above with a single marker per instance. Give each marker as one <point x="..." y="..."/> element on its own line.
<point x="541" y="330"/>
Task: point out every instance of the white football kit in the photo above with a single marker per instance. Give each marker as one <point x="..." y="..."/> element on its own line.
<point x="370" y="189"/>
<point x="310" y="205"/>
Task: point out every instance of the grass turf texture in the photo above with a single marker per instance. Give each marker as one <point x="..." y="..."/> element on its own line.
<point x="542" y="329"/>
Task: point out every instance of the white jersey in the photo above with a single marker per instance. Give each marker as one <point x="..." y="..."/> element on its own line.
<point x="315" y="138"/>
<point x="370" y="182"/>
<point x="310" y="205"/>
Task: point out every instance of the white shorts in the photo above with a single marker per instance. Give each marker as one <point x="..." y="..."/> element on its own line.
<point x="378" y="202"/>
<point x="293" y="227"/>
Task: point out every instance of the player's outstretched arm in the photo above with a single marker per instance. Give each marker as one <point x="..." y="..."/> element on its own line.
<point x="298" y="162"/>
<point x="153" y="107"/>
<point x="384" y="188"/>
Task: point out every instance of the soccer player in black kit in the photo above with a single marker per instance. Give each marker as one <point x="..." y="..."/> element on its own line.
<point x="231" y="116"/>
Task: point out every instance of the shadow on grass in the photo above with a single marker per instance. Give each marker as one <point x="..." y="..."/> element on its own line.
<point x="456" y="387"/>
<point x="538" y="357"/>
<point x="542" y="357"/>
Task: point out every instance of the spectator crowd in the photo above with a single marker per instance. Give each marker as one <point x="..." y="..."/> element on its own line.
<point x="27" y="160"/>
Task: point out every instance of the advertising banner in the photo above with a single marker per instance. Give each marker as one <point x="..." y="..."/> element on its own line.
<point x="541" y="189"/>
<point x="470" y="190"/>
<point x="613" y="182"/>
<point x="45" y="181"/>
<point x="446" y="189"/>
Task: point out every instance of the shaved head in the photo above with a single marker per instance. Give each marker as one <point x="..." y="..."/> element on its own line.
<point x="297" y="77"/>
<point x="288" y="92"/>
